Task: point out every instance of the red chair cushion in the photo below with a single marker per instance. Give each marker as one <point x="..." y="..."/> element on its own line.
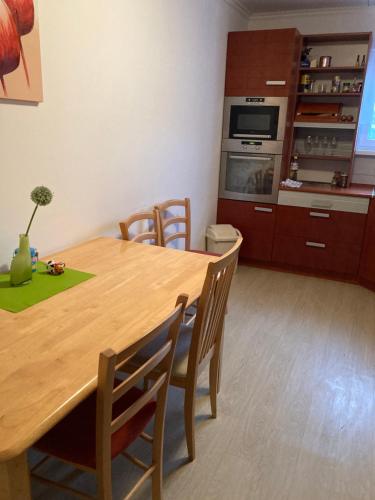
<point x="203" y="252"/>
<point x="73" y="438"/>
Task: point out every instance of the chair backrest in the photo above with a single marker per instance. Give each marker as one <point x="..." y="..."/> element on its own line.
<point x="165" y="220"/>
<point x="209" y="321"/>
<point x="152" y="234"/>
<point x="108" y="392"/>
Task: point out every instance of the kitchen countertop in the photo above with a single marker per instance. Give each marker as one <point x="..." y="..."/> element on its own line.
<point x="362" y="190"/>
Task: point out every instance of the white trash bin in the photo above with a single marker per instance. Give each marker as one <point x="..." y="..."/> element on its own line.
<point x="221" y="237"/>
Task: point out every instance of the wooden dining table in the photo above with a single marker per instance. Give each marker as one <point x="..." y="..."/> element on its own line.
<point x="49" y="352"/>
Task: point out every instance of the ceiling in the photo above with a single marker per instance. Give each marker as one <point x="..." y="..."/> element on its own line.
<point x="258" y="6"/>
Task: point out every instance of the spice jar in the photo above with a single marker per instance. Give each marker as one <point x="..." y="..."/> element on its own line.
<point x="336" y="178"/>
<point x="304" y="83"/>
<point x="343" y="180"/>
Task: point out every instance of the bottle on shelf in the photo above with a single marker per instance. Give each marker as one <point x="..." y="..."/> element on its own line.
<point x="357" y="61"/>
<point x="294" y="168"/>
<point x="354" y="87"/>
<point x="336" y="84"/>
<point x="363" y="63"/>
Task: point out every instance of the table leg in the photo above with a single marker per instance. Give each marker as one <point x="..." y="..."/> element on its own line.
<point x="15" y="479"/>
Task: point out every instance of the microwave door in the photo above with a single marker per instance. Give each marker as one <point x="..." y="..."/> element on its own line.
<point x="254" y="117"/>
<point x="254" y="122"/>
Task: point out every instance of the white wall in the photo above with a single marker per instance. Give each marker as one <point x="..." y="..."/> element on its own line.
<point x="132" y="115"/>
<point x="326" y="21"/>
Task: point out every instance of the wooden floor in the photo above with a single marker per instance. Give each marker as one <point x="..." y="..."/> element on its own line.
<point x="296" y="410"/>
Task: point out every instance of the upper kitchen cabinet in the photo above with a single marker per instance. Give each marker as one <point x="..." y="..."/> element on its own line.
<point x="262" y="63"/>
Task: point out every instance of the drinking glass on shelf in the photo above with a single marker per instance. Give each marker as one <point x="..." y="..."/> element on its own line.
<point x="333" y="145"/>
<point x="308" y="144"/>
<point x="324" y="145"/>
<point x="316" y="144"/>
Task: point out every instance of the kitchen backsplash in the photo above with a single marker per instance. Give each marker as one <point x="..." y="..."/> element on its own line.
<point x="364" y="170"/>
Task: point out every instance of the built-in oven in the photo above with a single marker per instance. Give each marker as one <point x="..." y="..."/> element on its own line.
<point x="250" y="173"/>
<point x="254" y="118"/>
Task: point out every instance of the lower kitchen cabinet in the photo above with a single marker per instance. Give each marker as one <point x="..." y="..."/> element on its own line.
<point x="321" y="256"/>
<point x="367" y="269"/>
<point x="319" y="240"/>
<point x="304" y="239"/>
<point x="255" y="221"/>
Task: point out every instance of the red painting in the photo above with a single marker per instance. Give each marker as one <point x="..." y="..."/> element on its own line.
<point x="20" y="65"/>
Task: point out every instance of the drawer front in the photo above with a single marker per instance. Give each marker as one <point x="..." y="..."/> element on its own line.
<point x="325" y="202"/>
<point x="325" y="225"/>
<point x="317" y="255"/>
<point x="256" y="216"/>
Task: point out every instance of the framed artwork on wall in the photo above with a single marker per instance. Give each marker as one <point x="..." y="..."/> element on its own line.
<point x="20" y="62"/>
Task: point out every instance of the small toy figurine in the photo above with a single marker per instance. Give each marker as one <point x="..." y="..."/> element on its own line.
<point x="55" y="268"/>
<point x="305" y="61"/>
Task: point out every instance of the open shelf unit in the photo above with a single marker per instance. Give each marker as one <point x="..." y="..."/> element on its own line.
<point x="307" y="138"/>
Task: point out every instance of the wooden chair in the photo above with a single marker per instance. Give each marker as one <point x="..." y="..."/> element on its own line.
<point x="109" y="420"/>
<point x="201" y="344"/>
<point x="152" y="235"/>
<point x="166" y="220"/>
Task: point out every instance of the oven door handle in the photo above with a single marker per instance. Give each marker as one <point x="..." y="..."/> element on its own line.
<point x="249" y="158"/>
<point x="261" y="136"/>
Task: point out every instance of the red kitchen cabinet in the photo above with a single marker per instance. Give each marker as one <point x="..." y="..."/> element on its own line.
<point x="327" y="225"/>
<point x="307" y="254"/>
<point x="255" y="221"/>
<point x="367" y="268"/>
<point x="255" y="57"/>
<point x="319" y="240"/>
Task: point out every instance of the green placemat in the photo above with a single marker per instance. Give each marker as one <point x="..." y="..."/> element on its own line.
<point x="42" y="286"/>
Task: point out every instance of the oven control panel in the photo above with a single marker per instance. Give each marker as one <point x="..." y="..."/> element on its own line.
<point x="252" y="146"/>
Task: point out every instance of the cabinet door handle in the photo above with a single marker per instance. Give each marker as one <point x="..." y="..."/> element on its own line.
<point x="275" y="82"/>
<point x="321" y="204"/>
<point x="320" y="215"/>
<point x="315" y="245"/>
<point x="263" y="209"/>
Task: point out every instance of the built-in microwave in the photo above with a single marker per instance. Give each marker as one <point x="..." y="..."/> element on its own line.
<point x="254" y="118"/>
<point x="252" y="173"/>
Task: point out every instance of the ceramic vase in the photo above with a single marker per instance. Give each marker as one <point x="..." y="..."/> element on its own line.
<point x="21" y="269"/>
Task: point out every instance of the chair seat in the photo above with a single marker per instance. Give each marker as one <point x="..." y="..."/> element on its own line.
<point x="181" y="357"/>
<point x="204" y="252"/>
<point x="73" y="438"/>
